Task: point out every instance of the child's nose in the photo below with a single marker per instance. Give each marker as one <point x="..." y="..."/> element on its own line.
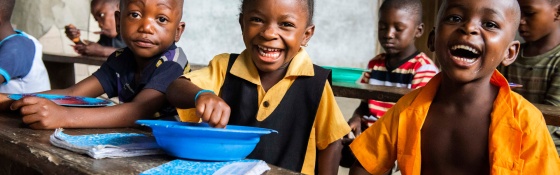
<point x="146" y="26"/>
<point x="269" y="32"/>
<point x="470" y="28"/>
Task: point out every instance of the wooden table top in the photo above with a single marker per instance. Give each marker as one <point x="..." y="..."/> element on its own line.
<point x="384" y="93"/>
<point x="32" y="148"/>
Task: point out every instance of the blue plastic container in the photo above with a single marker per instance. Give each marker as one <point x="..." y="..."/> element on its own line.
<point x="345" y="74"/>
<point x="199" y="141"/>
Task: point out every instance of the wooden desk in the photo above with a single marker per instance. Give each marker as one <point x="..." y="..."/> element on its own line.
<point x="393" y="94"/>
<point x="60" y="67"/>
<point x="27" y="151"/>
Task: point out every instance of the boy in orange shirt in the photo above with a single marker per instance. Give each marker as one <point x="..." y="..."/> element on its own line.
<point x="466" y="120"/>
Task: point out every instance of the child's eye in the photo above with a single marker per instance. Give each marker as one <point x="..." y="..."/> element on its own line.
<point x="454" y="19"/>
<point x="287" y="24"/>
<point x="162" y="19"/>
<point x="255" y="19"/>
<point x="134" y="15"/>
<point x="490" y="25"/>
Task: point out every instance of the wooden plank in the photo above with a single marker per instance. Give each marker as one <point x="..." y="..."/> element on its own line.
<point x="67" y="58"/>
<point x="27" y="151"/>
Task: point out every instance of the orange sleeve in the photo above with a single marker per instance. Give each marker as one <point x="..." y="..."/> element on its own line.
<point x="538" y="152"/>
<point x="329" y="124"/>
<point x="376" y="147"/>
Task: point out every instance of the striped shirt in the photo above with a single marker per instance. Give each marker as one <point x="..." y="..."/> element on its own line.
<point x="539" y="76"/>
<point x="413" y="72"/>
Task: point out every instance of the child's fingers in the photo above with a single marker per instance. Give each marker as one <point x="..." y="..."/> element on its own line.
<point x="225" y="117"/>
<point x="24" y="102"/>
<point x="30" y="119"/>
<point x="206" y="112"/>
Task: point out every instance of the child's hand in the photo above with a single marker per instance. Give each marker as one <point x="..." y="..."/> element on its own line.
<point x="355" y="124"/>
<point x="72" y="33"/>
<point x="90" y="48"/>
<point x="40" y="113"/>
<point x="212" y="109"/>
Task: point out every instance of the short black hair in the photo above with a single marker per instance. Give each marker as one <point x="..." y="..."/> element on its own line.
<point x="310" y="8"/>
<point x="414" y="7"/>
<point x="6" y="8"/>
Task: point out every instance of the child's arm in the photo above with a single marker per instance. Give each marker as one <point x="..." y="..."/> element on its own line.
<point x="329" y="158"/>
<point x="355" y="122"/>
<point x="94" y="49"/>
<point x="41" y="113"/>
<point x="211" y="108"/>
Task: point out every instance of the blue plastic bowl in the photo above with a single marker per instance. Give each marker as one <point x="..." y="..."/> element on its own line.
<point x="199" y="141"/>
<point x="345" y="74"/>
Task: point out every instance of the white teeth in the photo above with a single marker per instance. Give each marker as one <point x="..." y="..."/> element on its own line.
<point x="275" y="52"/>
<point x="465" y="59"/>
<point x="465" y="47"/>
<point x="269" y="49"/>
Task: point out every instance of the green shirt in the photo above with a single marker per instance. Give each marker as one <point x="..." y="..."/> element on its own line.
<point x="539" y="76"/>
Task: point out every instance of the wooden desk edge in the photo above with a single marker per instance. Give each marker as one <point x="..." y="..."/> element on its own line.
<point x="67" y="58"/>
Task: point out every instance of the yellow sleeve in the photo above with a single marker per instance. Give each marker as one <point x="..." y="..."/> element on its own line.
<point x="211" y="77"/>
<point x="538" y="152"/>
<point x="376" y="147"/>
<point x="329" y="121"/>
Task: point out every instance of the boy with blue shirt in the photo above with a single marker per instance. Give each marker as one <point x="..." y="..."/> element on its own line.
<point x="138" y="74"/>
<point x="21" y="65"/>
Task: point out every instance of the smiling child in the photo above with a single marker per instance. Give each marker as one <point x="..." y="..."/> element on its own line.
<point x="271" y="84"/>
<point x="466" y="120"/>
<point x="138" y="74"/>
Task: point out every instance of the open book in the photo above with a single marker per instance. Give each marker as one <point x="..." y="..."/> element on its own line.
<point x="239" y="167"/>
<point x="111" y="145"/>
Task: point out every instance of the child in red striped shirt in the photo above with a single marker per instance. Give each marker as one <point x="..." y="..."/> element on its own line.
<point x="402" y="65"/>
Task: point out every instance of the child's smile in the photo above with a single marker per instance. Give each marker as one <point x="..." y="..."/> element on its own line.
<point x="464" y="55"/>
<point x="472" y="40"/>
<point x="268" y="54"/>
<point x="274" y="31"/>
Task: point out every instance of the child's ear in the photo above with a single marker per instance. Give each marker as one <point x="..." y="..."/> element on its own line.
<point x="118" y="21"/>
<point x="419" y="30"/>
<point x="557" y="14"/>
<point x="431" y="40"/>
<point x="511" y="53"/>
<point x="308" y="34"/>
<point x="180" y="29"/>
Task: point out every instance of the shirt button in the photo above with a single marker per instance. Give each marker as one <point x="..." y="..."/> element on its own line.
<point x="266" y="104"/>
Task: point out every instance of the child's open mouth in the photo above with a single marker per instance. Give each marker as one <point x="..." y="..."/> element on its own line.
<point x="269" y="54"/>
<point x="464" y="55"/>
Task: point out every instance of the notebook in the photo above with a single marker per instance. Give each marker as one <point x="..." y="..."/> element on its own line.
<point x="111" y="145"/>
<point x="183" y="166"/>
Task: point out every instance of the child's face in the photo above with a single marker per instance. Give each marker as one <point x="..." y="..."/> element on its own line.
<point x="538" y="19"/>
<point x="397" y="30"/>
<point x="149" y="27"/>
<point x="104" y="14"/>
<point x="473" y="37"/>
<point x="274" y="31"/>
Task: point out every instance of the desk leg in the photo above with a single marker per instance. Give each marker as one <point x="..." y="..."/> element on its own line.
<point x="61" y="75"/>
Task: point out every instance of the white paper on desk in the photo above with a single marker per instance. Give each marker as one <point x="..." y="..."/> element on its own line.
<point x="110" y="145"/>
<point x="245" y="168"/>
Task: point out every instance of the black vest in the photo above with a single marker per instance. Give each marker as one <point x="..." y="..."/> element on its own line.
<point x="293" y="118"/>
